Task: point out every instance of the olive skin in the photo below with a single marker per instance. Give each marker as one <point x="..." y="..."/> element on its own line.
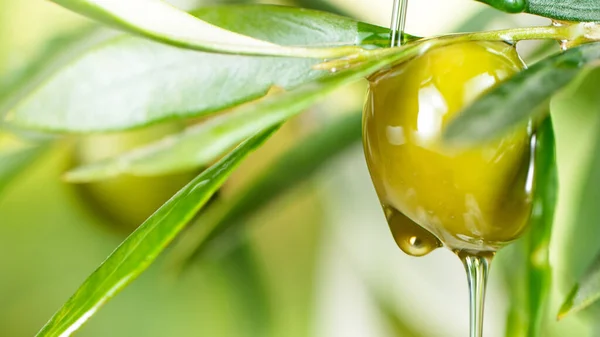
<point x="475" y="199"/>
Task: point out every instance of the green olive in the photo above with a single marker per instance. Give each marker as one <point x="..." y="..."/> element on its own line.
<point x="475" y="199"/>
<point x="126" y="201"/>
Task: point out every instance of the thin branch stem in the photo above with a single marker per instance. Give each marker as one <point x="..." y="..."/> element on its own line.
<point x="579" y="33"/>
<point x="513" y="35"/>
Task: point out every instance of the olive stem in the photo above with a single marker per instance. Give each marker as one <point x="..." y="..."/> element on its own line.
<point x="477" y="268"/>
<point x="513" y="35"/>
<point x="576" y="33"/>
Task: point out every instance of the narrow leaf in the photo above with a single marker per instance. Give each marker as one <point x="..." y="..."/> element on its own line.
<point x="129" y="82"/>
<point x="513" y="261"/>
<point x="241" y="266"/>
<point x="526" y="263"/>
<point x="57" y="52"/>
<point x="539" y="269"/>
<point x="159" y="21"/>
<point x="203" y="143"/>
<point x="583" y="294"/>
<point x="587" y="290"/>
<point x="516" y="100"/>
<point x="321" y="5"/>
<point x="292" y="168"/>
<point x="295" y="26"/>
<point x="142" y="247"/>
<point x="567" y="10"/>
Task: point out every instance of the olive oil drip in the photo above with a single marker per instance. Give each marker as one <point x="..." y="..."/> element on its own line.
<point x="477" y="266"/>
<point x="412" y="239"/>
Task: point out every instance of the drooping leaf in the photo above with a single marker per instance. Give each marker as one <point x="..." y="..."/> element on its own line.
<point x="13" y="162"/>
<point x="567" y="10"/>
<point x="144" y="245"/>
<point x="539" y="269"/>
<point x="203" y="143"/>
<point x="295" y="166"/>
<point x="160" y="21"/>
<point x="130" y="82"/>
<point x="519" y="98"/>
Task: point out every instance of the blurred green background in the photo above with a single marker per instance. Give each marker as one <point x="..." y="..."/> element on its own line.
<point x="317" y="262"/>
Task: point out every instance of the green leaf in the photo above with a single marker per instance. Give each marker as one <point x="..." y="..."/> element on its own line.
<point x="295" y="166"/>
<point x="526" y="263"/>
<point x="516" y="100"/>
<point x="576" y="113"/>
<point x="583" y="294"/>
<point x="294" y="26"/>
<point x="322" y="5"/>
<point x="203" y="143"/>
<point x="13" y="162"/>
<point x="243" y="272"/>
<point x="509" y="6"/>
<point x="182" y="152"/>
<point x="130" y="82"/>
<point x="56" y="53"/>
<point x="539" y="269"/>
<point x="159" y="21"/>
<point x="144" y="245"/>
<point x="587" y="290"/>
<point x="567" y="10"/>
<point x="513" y="261"/>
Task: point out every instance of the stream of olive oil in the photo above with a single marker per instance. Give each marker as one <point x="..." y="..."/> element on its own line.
<point x="398" y="22"/>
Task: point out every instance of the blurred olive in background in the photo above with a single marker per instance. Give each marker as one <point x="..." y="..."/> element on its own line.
<point x="126" y="201"/>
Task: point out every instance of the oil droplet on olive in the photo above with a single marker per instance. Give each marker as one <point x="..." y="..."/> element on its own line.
<point x="412" y="239"/>
<point x="475" y="199"/>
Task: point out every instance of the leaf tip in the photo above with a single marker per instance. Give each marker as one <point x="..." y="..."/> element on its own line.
<point x="562" y="313"/>
<point x="568" y="306"/>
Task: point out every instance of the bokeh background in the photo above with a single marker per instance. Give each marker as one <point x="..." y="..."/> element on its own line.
<point x="317" y="262"/>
